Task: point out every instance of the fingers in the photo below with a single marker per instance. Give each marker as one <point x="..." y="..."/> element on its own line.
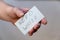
<point x="44" y="21"/>
<point x="25" y="10"/>
<point x="20" y="12"/>
<point x="34" y="29"/>
<point x="37" y="26"/>
<point x="31" y="32"/>
<point x="16" y="12"/>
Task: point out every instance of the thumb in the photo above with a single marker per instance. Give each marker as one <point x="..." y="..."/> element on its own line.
<point x="18" y="12"/>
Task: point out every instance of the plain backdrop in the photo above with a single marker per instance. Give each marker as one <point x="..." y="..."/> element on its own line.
<point x="36" y="0"/>
<point x="50" y="9"/>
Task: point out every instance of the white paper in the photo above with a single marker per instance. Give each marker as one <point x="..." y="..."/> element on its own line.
<point x="31" y="18"/>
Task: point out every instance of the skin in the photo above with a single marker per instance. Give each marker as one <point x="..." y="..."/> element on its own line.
<point x="12" y="14"/>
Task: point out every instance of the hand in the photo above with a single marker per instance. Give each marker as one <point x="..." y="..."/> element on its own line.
<point x="15" y="14"/>
<point x="12" y="14"/>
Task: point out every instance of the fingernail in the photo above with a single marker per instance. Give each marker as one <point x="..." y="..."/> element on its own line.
<point x="45" y="22"/>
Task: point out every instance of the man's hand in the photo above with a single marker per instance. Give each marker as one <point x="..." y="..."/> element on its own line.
<point x="12" y="14"/>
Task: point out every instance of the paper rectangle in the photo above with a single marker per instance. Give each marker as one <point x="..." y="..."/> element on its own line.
<point x="31" y="18"/>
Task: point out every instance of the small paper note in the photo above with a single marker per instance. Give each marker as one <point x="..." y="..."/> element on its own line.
<point x="29" y="20"/>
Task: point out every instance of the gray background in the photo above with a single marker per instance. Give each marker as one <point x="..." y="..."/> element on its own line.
<point x="37" y="0"/>
<point x="51" y="10"/>
<point x="40" y="0"/>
